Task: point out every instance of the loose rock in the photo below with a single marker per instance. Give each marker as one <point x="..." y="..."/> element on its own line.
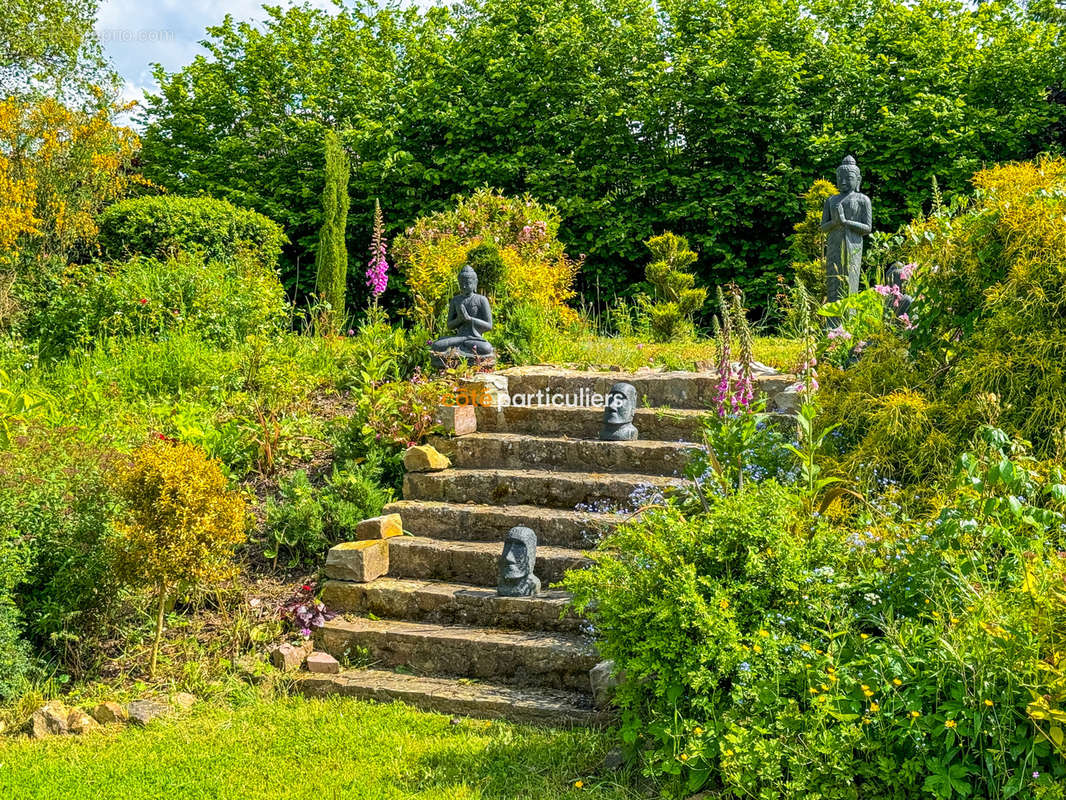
<point x="603" y="682"/>
<point x="424" y="458"/>
<point x="109" y="713"/>
<point x="144" y="711"/>
<point x="323" y="664"/>
<point x="383" y="527"/>
<point x="287" y="658"/>
<point x="49" y="720"/>
<point x="78" y="722"/>
<point x="358" y="561"/>
<point x="184" y="700"/>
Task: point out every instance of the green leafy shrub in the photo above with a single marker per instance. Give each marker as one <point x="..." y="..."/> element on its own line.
<point x="223" y="301"/>
<point x="883" y="655"/>
<point x="353" y="492"/>
<point x="294" y="522"/>
<point x="807" y="242"/>
<point x="677" y="298"/>
<point x="14" y="656"/>
<point x="56" y="514"/>
<point x="164" y="226"/>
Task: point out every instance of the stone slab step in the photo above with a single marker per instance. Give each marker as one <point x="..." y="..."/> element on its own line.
<point x="460" y="696"/>
<point x="471" y="562"/>
<point x="664" y="425"/>
<point x="521" y="451"/>
<point x="554" y="660"/>
<point x="452" y="604"/>
<point x="597" y="491"/>
<point x="692" y="390"/>
<point x="485" y="523"/>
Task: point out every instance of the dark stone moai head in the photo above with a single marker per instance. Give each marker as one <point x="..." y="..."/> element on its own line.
<point x="618" y="414"/>
<point x="516" y="578"/>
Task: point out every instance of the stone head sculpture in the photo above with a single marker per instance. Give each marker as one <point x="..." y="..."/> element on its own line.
<point x="467" y="280"/>
<point x="848" y="176"/>
<point x="516" y="578"/>
<point x="618" y="414"/>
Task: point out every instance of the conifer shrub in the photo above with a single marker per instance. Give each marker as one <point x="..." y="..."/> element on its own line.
<point x="677" y="298"/>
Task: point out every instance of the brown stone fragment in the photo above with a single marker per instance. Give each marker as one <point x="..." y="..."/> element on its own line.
<point x="323" y="664"/>
<point x="109" y="713"/>
<point x="457" y="420"/>
<point x="383" y="527"/>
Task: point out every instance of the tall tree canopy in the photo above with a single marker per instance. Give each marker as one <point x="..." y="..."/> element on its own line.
<point x="706" y="117"/>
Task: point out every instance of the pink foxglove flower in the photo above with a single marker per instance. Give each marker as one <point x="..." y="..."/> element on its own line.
<point x="377" y="273"/>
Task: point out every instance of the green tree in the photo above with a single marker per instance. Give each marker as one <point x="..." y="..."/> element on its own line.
<point x="709" y="118"/>
<point x="331" y="259"/>
<point x="49" y="45"/>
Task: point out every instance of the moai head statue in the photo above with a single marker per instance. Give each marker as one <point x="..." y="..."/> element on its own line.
<point x="618" y="414"/>
<point x="516" y="578"/>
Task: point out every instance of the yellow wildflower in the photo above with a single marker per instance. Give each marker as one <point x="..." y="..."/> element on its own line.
<point x="950" y="723"/>
<point x="684" y="756"/>
<point x="698" y="731"/>
<point x="989" y="703"/>
<point x="874" y="708"/>
<point x="578" y="784"/>
<point x="897" y="682"/>
<point x="915" y="714"/>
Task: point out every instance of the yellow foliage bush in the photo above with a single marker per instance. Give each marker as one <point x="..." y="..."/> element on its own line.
<point x="536" y="270"/>
<point x="182" y="522"/>
<point x="58" y="168"/>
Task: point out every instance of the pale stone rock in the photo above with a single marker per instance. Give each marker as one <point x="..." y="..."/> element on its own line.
<point x="383" y="527"/>
<point x="424" y="458"/>
<point x="49" y="720"/>
<point x="358" y="561"/>
<point x="486" y="389"/>
<point x="323" y="664"/>
<point x="183" y="700"/>
<point x="604" y="682"/>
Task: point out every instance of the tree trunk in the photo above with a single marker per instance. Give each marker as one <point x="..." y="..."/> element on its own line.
<point x="158" y="628"/>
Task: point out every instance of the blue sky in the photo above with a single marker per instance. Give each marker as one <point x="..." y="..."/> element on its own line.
<point x="136" y="33"/>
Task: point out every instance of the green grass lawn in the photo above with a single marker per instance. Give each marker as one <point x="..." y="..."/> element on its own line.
<point x="632" y="353"/>
<point x="310" y="750"/>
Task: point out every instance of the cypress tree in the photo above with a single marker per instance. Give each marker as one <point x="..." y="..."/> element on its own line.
<point x="331" y="260"/>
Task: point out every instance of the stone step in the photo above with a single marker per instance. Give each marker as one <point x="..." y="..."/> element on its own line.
<point x="485" y="523"/>
<point x="452" y="604"/>
<point x="555" y="660"/>
<point x="691" y="390"/>
<point x="451" y="696"/>
<point x="520" y="451"/>
<point x="471" y="562"/>
<point x="663" y="425"/>
<point x="597" y="491"/>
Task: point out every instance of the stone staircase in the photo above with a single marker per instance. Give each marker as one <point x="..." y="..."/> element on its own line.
<point x="433" y="632"/>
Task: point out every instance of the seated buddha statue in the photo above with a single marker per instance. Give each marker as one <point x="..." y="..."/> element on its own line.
<point x="469" y="315"/>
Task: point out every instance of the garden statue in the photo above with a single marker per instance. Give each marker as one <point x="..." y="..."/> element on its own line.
<point x="618" y="414"/>
<point x="470" y="316"/>
<point x="516" y="578"/>
<point x="847" y="217"/>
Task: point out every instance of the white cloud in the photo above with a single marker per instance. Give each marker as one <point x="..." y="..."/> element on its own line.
<point x="135" y="34"/>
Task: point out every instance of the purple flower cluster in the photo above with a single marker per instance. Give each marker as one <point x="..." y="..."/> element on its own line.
<point x="377" y="273"/>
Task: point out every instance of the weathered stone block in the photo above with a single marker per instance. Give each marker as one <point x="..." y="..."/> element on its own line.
<point x="457" y="420"/>
<point x="424" y="458"/>
<point x="323" y="664"/>
<point x="488" y="389"/>
<point x="109" y="713"/>
<point x="383" y="527"/>
<point x="287" y="658"/>
<point x="358" y="561"/>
